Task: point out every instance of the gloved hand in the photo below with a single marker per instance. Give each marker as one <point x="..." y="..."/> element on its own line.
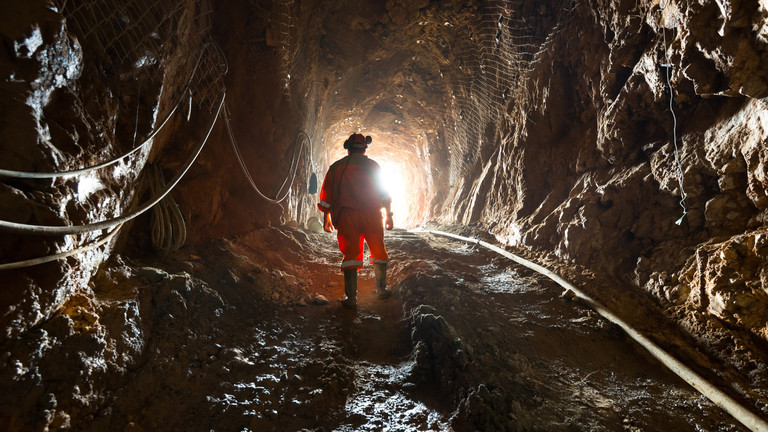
<point x="388" y="223"/>
<point x="327" y="224"/>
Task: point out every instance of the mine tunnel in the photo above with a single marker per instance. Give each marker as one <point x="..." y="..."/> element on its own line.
<point x="579" y="196"/>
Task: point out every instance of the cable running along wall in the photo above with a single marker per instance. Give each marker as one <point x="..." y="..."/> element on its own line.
<point x="144" y="143"/>
<point x="667" y="65"/>
<point x="152" y="43"/>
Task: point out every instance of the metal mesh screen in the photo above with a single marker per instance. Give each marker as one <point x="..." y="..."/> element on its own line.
<point x="494" y="60"/>
<point x="145" y="35"/>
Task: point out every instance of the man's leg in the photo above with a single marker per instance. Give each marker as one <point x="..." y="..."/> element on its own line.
<point x="374" y="236"/>
<point x="350" y="288"/>
<point x="351" y="245"/>
<point x="380" y="270"/>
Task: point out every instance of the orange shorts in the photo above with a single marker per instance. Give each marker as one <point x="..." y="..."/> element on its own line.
<point x="355" y="226"/>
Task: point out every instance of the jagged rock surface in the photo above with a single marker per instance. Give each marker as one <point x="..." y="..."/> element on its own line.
<point x="555" y="136"/>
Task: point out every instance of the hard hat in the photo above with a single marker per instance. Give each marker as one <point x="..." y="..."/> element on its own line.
<point x="357" y="141"/>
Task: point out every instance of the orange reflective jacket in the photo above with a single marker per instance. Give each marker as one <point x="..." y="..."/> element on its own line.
<point x="352" y="182"/>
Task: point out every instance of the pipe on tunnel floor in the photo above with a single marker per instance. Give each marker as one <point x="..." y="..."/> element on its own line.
<point x="740" y="413"/>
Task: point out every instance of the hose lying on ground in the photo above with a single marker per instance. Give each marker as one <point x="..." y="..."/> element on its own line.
<point x="743" y="415"/>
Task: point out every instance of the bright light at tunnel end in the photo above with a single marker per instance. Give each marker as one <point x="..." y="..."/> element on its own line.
<point x="400" y="174"/>
<point x="394" y="182"/>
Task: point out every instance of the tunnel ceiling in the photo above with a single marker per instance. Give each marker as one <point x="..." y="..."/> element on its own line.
<point x="382" y="71"/>
<point x="386" y="75"/>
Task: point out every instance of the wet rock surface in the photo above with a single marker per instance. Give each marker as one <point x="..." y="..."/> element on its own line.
<point x="569" y="130"/>
<point x="76" y="94"/>
<point x="227" y="340"/>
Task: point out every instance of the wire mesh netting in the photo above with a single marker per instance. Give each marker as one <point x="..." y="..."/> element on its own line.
<point x="494" y="60"/>
<point x="491" y="58"/>
<point x="157" y="52"/>
<point x="142" y="35"/>
<point x="288" y="46"/>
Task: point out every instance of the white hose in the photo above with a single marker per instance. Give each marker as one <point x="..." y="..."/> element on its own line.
<point x="15" y="227"/>
<point x="61" y="255"/>
<point x="169" y="231"/>
<point x="291" y="169"/>
<point x="39" y="175"/>
<point x="743" y="415"/>
<point x="147" y="140"/>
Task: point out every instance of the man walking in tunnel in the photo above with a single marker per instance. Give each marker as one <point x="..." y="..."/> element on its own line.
<point x="351" y="198"/>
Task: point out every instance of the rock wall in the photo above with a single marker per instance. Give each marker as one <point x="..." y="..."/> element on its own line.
<point x="82" y="84"/>
<point x="572" y="128"/>
<point x="592" y="175"/>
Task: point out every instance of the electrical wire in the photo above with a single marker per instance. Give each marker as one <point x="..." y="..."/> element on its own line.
<point x="136" y="120"/>
<point x="293" y="167"/>
<point x="40" y="175"/>
<point x="58" y="256"/>
<point x="667" y="66"/>
<point x="77" y="229"/>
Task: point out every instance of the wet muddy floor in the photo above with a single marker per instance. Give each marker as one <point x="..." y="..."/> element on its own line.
<point x="469" y="342"/>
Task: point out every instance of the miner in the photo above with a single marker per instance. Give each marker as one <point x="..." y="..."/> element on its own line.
<point x="351" y="199"/>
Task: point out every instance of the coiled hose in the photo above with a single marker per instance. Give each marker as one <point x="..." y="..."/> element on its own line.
<point x="169" y="232"/>
<point x="116" y="223"/>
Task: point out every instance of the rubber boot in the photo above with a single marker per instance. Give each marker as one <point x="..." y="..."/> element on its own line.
<point x="350" y="288"/>
<point x="380" y="272"/>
